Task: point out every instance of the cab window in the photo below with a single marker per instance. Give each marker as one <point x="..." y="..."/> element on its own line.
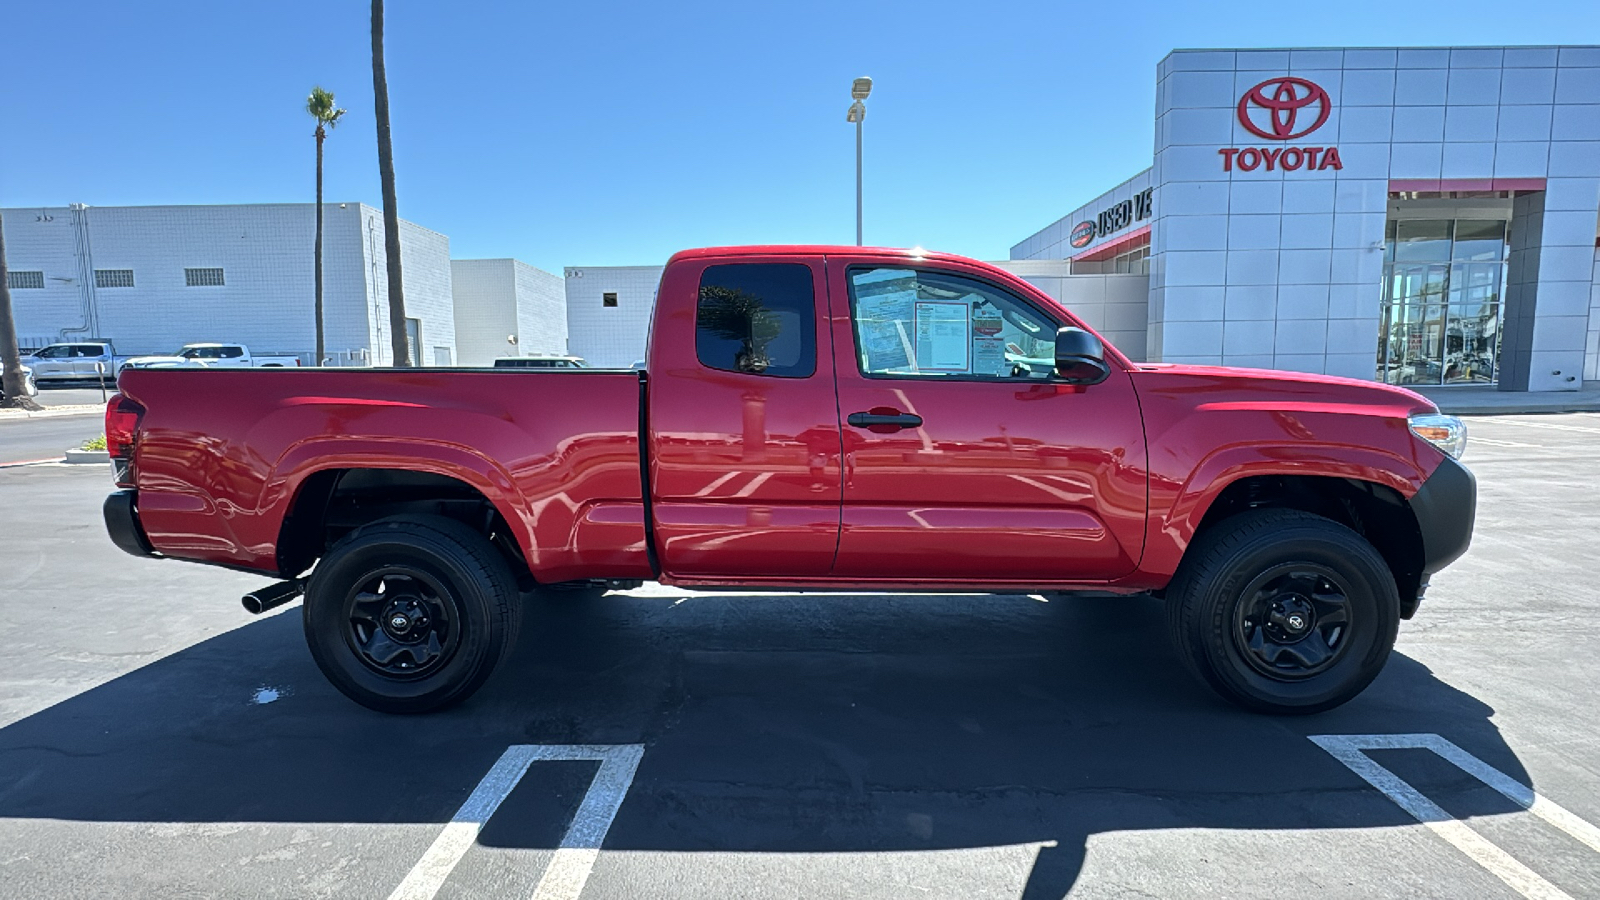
<point x="921" y="323"/>
<point x="59" y="351"/>
<point x="757" y="319"/>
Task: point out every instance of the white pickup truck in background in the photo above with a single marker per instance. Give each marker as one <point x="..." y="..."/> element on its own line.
<point x="75" y="361"/>
<point x="212" y="356"/>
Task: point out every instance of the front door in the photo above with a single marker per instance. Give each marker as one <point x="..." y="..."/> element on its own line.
<point x="965" y="459"/>
<point x="744" y="433"/>
<point x="53" y="362"/>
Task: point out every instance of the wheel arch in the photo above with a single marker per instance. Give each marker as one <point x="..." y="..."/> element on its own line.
<point x="1378" y="512"/>
<point x="332" y="501"/>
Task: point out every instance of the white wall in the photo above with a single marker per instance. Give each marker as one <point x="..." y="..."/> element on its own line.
<point x="497" y="298"/>
<point x="1116" y="306"/>
<point x="485" y="297"/>
<point x="42" y="240"/>
<point x="610" y="337"/>
<point x="266" y="253"/>
<point x="541" y="310"/>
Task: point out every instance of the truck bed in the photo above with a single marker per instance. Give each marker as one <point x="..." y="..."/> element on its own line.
<point x="223" y="456"/>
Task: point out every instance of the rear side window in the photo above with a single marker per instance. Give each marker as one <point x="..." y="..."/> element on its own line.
<point x="758" y="319"/>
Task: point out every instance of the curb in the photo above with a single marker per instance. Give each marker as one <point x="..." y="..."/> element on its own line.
<point x="51" y="412"/>
<point x="1518" y="409"/>
<point x="81" y="457"/>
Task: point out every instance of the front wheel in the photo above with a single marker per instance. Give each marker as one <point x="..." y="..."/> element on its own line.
<point x="1282" y="611"/>
<point x="410" y="614"/>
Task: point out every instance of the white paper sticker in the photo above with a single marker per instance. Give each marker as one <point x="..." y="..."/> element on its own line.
<point x="943" y="335"/>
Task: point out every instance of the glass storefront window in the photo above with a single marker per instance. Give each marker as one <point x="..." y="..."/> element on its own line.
<point x="1439" y="321"/>
<point x="1484" y="240"/>
<point x="1421" y="240"/>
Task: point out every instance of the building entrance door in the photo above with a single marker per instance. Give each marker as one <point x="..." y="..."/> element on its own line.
<point x="1440" y="316"/>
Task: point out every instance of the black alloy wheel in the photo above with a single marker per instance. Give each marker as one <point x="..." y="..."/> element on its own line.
<point x="411" y="614"/>
<point x="402" y="622"/>
<point x="1292" y="621"/>
<point x="1283" y="611"/>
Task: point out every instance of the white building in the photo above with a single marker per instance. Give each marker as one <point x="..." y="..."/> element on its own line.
<point x="151" y="278"/>
<point x="1423" y="216"/>
<point x="505" y="307"/>
<point x="608" y="312"/>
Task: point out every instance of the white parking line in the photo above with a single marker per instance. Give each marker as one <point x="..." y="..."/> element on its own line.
<point x="1349" y="749"/>
<point x="569" y="868"/>
<point x="1552" y="426"/>
<point x="1499" y="443"/>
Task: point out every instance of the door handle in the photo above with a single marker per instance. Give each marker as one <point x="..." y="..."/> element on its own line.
<point x="883" y="420"/>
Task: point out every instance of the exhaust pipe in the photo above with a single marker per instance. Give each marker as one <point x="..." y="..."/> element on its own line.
<point x="272" y="596"/>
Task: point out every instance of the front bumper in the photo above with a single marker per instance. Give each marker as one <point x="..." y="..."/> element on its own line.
<point x="1445" y="508"/>
<point x="121" y="511"/>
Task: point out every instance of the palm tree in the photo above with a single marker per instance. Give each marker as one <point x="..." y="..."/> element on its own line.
<point x="322" y="108"/>
<point x="391" y="215"/>
<point x="12" y="388"/>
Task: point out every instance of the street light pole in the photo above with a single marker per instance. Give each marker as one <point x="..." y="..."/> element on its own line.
<point x="858" y="177"/>
<point x="859" y="90"/>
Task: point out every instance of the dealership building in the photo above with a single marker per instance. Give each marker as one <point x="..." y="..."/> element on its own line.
<point x="1421" y="216"/>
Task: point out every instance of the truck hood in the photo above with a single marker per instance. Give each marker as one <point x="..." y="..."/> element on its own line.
<point x="1277" y="389"/>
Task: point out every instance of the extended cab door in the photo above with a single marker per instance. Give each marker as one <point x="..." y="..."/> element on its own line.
<point x="965" y="460"/>
<point x="743" y="432"/>
<point x="90" y="360"/>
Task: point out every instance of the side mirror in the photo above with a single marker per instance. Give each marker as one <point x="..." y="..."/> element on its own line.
<point x="1080" y="357"/>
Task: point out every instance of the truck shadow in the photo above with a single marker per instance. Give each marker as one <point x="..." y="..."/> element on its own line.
<point x="772" y="723"/>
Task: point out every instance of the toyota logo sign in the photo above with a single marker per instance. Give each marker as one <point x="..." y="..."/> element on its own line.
<point x="1281" y="104"/>
<point x="1282" y="109"/>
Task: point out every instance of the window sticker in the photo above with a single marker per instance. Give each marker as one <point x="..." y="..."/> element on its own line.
<point x="943" y="335"/>
<point x="988" y="346"/>
<point x="883" y="311"/>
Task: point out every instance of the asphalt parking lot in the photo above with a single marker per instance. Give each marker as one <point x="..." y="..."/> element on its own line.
<point x="157" y="741"/>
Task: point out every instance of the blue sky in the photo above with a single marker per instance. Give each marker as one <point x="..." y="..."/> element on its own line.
<point x="611" y="134"/>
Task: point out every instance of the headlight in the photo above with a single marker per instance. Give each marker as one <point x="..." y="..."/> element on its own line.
<point x="1448" y="433"/>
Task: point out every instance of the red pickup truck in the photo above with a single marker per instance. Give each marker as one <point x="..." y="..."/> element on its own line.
<point x="808" y="418"/>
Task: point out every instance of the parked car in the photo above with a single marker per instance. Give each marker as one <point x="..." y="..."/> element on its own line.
<point x="212" y="356"/>
<point x="75" y="361"/>
<point x="29" y="386"/>
<point x="541" y="362"/>
<point x="824" y="418"/>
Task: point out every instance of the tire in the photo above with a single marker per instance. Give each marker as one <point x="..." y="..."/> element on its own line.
<point x="1284" y="612"/>
<point x="454" y="591"/>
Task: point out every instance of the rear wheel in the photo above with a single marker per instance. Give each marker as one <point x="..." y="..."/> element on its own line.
<point x="1282" y="611"/>
<point x="410" y="614"/>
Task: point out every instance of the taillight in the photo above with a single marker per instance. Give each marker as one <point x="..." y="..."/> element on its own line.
<point x="122" y="429"/>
